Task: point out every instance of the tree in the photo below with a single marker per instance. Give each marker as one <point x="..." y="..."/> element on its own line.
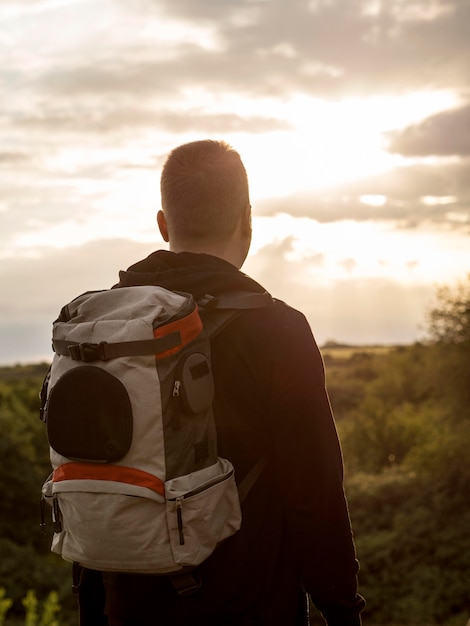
<point x="449" y="329"/>
<point x="26" y="561"/>
<point x="449" y="317"/>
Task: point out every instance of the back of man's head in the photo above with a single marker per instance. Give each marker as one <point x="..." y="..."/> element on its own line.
<point x="204" y="190"/>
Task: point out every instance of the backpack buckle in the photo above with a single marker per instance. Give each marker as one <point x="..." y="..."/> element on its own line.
<point x="186" y="583"/>
<point x="207" y="301"/>
<point x="88" y="352"/>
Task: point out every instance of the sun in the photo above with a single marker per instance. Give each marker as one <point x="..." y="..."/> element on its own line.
<point x="324" y="143"/>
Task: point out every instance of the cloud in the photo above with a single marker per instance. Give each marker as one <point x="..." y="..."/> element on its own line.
<point x="33" y="205"/>
<point x="13" y="158"/>
<point x="41" y="283"/>
<point x="408" y="195"/>
<point x="131" y="119"/>
<point x="446" y="133"/>
<point x="38" y="287"/>
<point x="376" y="307"/>
<point x="339" y="47"/>
<point x="266" y="49"/>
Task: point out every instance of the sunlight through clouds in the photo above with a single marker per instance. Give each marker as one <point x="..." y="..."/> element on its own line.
<point x="378" y="250"/>
<point x="330" y="142"/>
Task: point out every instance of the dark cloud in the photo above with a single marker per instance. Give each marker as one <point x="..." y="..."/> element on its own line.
<point x="138" y="77"/>
<point x="207" y="10"/>
<point x="416" y="180"/>
<point x="132" y="118"/>
<point x="411" y="195"/>
<point x="103" y="76"/>
<point x="273" y="48"/>
<point x="13" y="158"/>
<point x="338" y="47"/>
<point x="446" y="133"/>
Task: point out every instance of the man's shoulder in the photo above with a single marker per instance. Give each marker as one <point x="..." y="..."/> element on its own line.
<point x="282" y="312"/>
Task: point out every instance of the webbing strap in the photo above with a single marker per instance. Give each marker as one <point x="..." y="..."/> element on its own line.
<point x="235" y="300"/>
<point x="104" y="351"/>
<point x="77" y="576"/>
<point x="250" y="479"/>
<point x="218" y="311"/>
<point x="186" y="583"/>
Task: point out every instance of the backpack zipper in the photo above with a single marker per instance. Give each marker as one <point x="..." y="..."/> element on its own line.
<point x="179" y="516"/>
<point x="56" y="516"/>
<point x="176" y="388"/>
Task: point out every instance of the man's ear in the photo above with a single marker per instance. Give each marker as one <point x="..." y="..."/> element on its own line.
<point x="162" y="225"/>
<point x="247" y="219"/>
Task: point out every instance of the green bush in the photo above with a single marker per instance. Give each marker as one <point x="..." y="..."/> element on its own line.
<point x="26" y="561"/>
<point x="411" y="529"/>
<point x="49" y="613"/>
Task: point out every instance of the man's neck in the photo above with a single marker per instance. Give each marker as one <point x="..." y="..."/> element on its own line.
<point x="231" y="254"/>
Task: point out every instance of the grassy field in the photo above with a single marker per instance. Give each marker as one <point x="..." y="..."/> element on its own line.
<point x="342" y="351"/>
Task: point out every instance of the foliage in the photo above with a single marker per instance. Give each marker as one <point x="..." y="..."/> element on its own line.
<point x="26" y="561"/>
<point x="449" y="317"/>
<point x="405" y="442"/>
<point x="5" y="605"/>
<point x="346" y="377"/>
<point x="50" y="609"/>
<point x="449" y="328"/>
<point x="413" y="543"/>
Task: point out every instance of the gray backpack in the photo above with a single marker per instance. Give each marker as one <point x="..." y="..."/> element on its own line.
<point x="137" y="483"/>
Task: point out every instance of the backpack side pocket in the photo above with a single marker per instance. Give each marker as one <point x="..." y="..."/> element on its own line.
<point x="202" y="509"/>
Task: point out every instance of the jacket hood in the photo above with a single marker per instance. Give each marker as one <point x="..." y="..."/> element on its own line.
<point x="198" y="274"/>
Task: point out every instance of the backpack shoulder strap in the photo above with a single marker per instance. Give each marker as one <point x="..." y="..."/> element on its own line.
<point x="250" y="479"/>
<point x="218" y="311"/>
<point x="239" y="300"/>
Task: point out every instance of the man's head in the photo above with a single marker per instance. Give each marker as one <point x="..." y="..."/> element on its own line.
<point x="205" y="201"/>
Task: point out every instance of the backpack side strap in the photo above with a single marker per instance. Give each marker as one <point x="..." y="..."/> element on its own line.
<point x="103" y="351"/>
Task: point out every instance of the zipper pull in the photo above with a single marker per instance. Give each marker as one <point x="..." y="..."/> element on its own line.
<point x="179" y="516"/>
<point x="43" y="397"/>
<point x="42" y="522"/>
<point x="176" y="388"/>
<point x="56" y="516"/>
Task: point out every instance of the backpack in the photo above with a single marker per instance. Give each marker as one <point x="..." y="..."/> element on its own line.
<point x="137" y="484"/>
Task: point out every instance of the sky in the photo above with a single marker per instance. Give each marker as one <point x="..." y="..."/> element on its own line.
<point x="352" y="118"/>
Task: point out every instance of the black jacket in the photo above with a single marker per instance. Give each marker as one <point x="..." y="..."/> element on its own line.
<point x="270" y="400"/>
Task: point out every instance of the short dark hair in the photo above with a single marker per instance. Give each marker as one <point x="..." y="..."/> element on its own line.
<point x="204" y="190"/>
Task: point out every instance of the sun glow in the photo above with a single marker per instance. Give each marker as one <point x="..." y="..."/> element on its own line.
<point x="327" y="142"/>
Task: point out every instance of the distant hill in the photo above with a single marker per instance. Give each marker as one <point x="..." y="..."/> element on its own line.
<point x="21" y="372"/>
<point x="344" y="350"/>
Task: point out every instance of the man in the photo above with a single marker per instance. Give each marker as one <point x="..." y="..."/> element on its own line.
<point x="270" y="402"/>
